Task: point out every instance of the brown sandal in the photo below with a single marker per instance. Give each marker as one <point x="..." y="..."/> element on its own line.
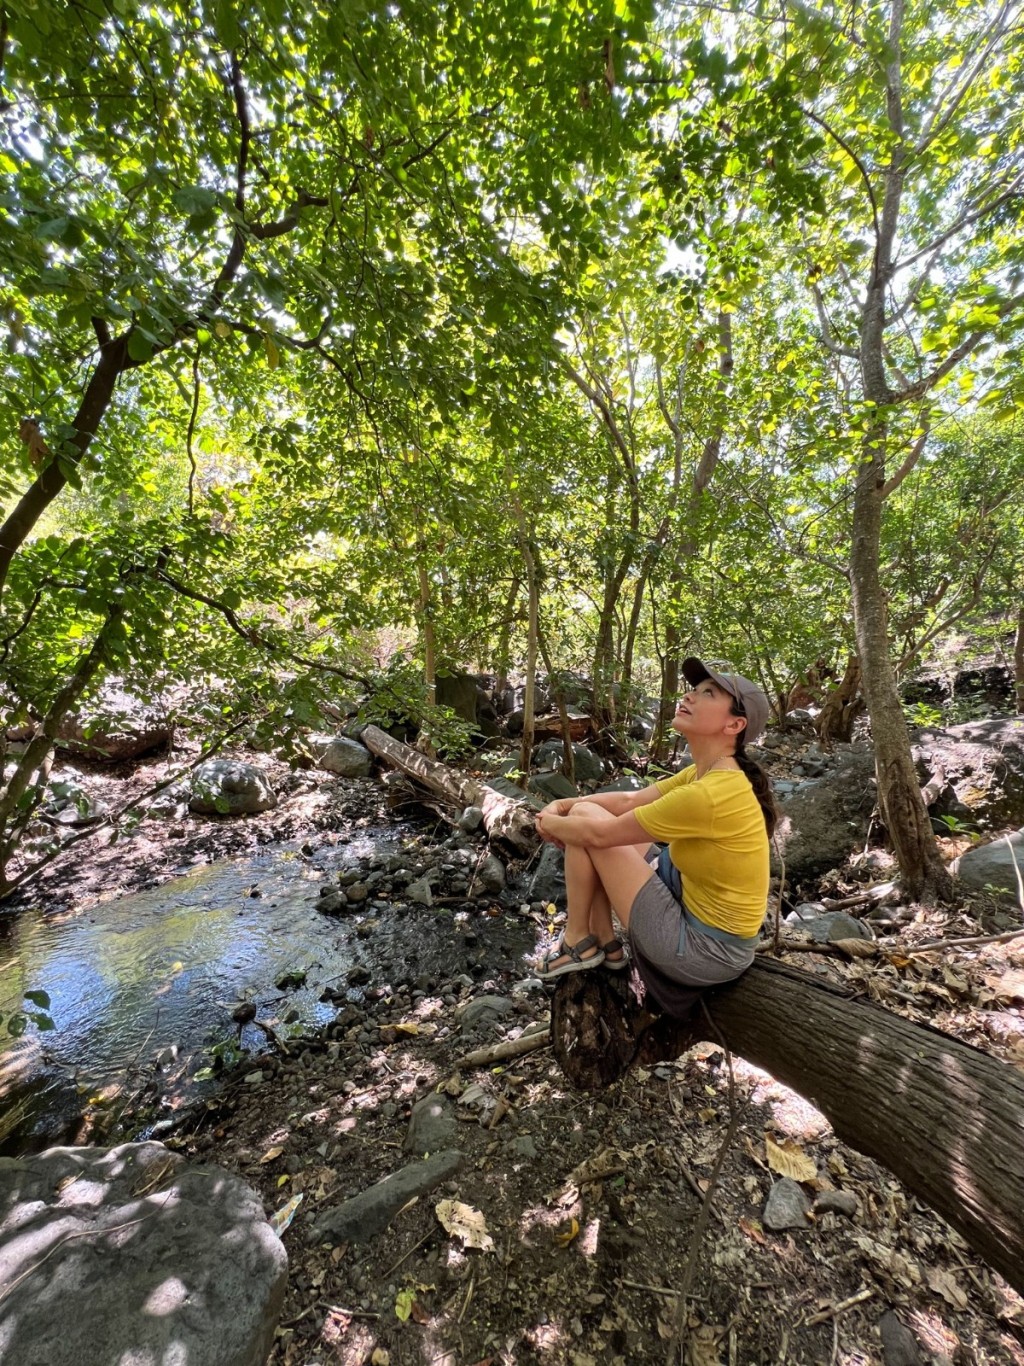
<point x="574" y="952"/>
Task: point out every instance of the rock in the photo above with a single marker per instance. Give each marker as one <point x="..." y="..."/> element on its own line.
<point x="370" y="1212"/>
<point x="523" y="1146"/>
<point x="459" y="691"/>
<point x="483" y="1010"/>
<point x="787" y="1206"/>
<point x="552" y="786"/>
<point x="491" y="874"/>
<point x="230" y="788"/>
<point x="331" y="901"/>
<point x="627" y="783"/>
<point x="471" y="819"/>
<point x="548" y="884"/>
<point x="826" y="819"/>
<point x="197" y="1275"/>
<point x="336" y="754"/>
<point x="994" y="866"/>
<point x="432" y="1126"/>
<point x="984" y="765"/>
<point x="838" y="1202"/>
<point x="899" y="1346"/>
<point x="587" y="765"/>
<point x="834" y="926"/>
<point x="116" y="727"/>
<point x="420" y="892"/>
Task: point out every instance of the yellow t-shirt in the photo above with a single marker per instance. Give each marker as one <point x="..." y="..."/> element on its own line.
<point x="717" y="839"/>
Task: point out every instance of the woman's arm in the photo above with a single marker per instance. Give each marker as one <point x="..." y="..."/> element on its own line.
<point x="574" y="823"/>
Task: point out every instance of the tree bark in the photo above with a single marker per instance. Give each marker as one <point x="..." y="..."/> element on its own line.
<point x="1018" y="662"/>
<point x="506" y="821"/>
<point x="841" y="707"/>
<point x="943" y="1117"/>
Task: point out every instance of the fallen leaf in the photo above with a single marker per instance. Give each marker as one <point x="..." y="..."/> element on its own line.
<point x="283" y="1217"/>
<point x="789" y="1159"/>
<point x="752" y="1228"/>
<point x="271" y="1154"/>
<point x="608" y="1162"/>
<point x="943" y="1283"/>
<point x="855" y="948"/>
<point x="381" y="1357"/>
<point x="408" y="1027"/>
<point x="567" y="1235"/>
<point x="404" y="1302"/>
<point x="465" y="1222"/>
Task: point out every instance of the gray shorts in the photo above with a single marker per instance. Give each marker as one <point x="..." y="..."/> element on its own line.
<point x="671" y="943"/>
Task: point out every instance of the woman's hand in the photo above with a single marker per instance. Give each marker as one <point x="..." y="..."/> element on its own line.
<point x="550" y="810"/>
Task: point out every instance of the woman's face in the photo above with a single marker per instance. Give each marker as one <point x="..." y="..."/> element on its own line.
<point x="705" y="710"/>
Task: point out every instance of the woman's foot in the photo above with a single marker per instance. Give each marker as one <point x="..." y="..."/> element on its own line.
<point x="566" y="958"/>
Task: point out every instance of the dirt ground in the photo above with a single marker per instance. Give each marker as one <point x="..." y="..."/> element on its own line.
<point x="576" y="1225"/>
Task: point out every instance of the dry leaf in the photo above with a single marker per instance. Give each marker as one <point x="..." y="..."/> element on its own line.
<point x="566" y="1236"/>
<point x="608" y="1162"/>
<point x="406" y="1027"/>
<point x="789" y="1159"/>
<point x="465" y="1222"/>
<point x="943" y="1284"/>
<point x="271" y="1154"/>
<point x="855" y="948"/>
<point x="381" y="1357"/>
<point x="752" y="1228"/>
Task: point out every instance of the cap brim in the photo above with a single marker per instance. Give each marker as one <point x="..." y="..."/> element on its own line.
<point x="695" y="671"/>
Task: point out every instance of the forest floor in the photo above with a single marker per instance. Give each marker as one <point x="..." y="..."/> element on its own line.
<point x="586" y="1205"/>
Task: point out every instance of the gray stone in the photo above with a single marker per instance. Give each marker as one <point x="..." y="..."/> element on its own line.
<point x="826" y="820"/>
<point x="471" y="819"/>
<point x="627" y="783"/>
<point x="548" y="884"/>
<point x="587" y="765"/>
<point x="229" y="788"/>
<point x="836" y="925"/>
<point x="420" y="892"/>
<point x="483" y="1010"/>
<point x="994" y="866"/>
<point x="523" y="1146"/>
<point x="432" y="1126"/>
<point x="899" y="1346"/>
<point x="491" y="874"/>
<point x="332" y="901"/>
<point x="787" y="1206"/>
<point x="159" y="1260"/>
<point x="336" y="754"/>
<point x="507" y="788"/>
<point x="369" y="1213"/>
<point x="553" y="786"/>
<point x="836" y="1202"/>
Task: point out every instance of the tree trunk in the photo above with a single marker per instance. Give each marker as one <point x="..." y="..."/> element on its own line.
<point x="841" y="707"/>
<point x="427" y="628"/>
<point x="943" y="1117"/>
<point x="506" y="821"/>
<point x="669" y="692"/>
<point x="532" y="619"/>
<point x="1018" y="662"/>
<point x="899" y="792"/>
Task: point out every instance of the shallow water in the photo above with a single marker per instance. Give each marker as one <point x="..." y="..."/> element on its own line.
<point x="151" y="979"/>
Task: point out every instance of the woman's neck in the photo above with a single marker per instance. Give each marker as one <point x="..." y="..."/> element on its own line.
<point x="710" y="756"/>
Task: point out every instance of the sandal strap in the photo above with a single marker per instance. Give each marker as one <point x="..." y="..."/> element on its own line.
<point x="574" y="951"/>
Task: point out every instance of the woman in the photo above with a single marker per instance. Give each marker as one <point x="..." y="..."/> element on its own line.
<point x="692" y="910"/>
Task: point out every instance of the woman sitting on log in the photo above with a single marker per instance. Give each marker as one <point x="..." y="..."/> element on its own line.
<point x="692" y="908"/>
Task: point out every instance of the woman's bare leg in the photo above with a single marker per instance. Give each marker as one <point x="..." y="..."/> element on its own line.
<point x="588" y="905"/>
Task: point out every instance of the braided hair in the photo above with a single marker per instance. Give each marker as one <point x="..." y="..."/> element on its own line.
<point x="756" y="776"/>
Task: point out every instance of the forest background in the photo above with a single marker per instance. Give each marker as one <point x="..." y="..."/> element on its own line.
<point x="346" y="345"/>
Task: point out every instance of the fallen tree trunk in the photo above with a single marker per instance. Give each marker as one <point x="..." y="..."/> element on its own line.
<point x="943" y="1117"/>
<point x="505" y="820"/>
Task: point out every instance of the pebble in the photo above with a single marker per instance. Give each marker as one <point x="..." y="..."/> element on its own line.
<point x="787" y="1206"/>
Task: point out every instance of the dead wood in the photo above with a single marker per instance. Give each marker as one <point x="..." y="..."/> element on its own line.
<point x="943" y="1117"/>
<point x="506" y="820"/>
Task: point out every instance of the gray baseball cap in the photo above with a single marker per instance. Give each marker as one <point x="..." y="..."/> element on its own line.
<point x="752" y="700"/>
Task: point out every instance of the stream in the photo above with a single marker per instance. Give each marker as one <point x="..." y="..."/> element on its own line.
<point x="142" y="987"/>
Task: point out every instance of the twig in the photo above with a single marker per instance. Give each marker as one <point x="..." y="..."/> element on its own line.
<point x="936" y="944"/>
<point x="405" y="1257"/>
<point x="665" y="1290"/>
<point x="834" y="1310"/>
<point x="511" y="1048"/>
<point x="465" y="1302"/>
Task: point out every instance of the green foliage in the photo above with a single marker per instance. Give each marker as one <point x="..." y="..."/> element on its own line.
<point x="398" y="701"/>
<point x="17" y="1021"/>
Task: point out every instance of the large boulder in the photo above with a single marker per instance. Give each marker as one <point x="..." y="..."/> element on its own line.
<point x="996" y="868"/>
<point x="460" y="692"/>
<point x="823" y="820"/>
<point x="226" y="787"/>
<point x="133" y="1255"/>
<point x="117" y="726"/>
<point x="984" y="764"/>
<point x="336" y="754"/>
<point x="588" y="766"/>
